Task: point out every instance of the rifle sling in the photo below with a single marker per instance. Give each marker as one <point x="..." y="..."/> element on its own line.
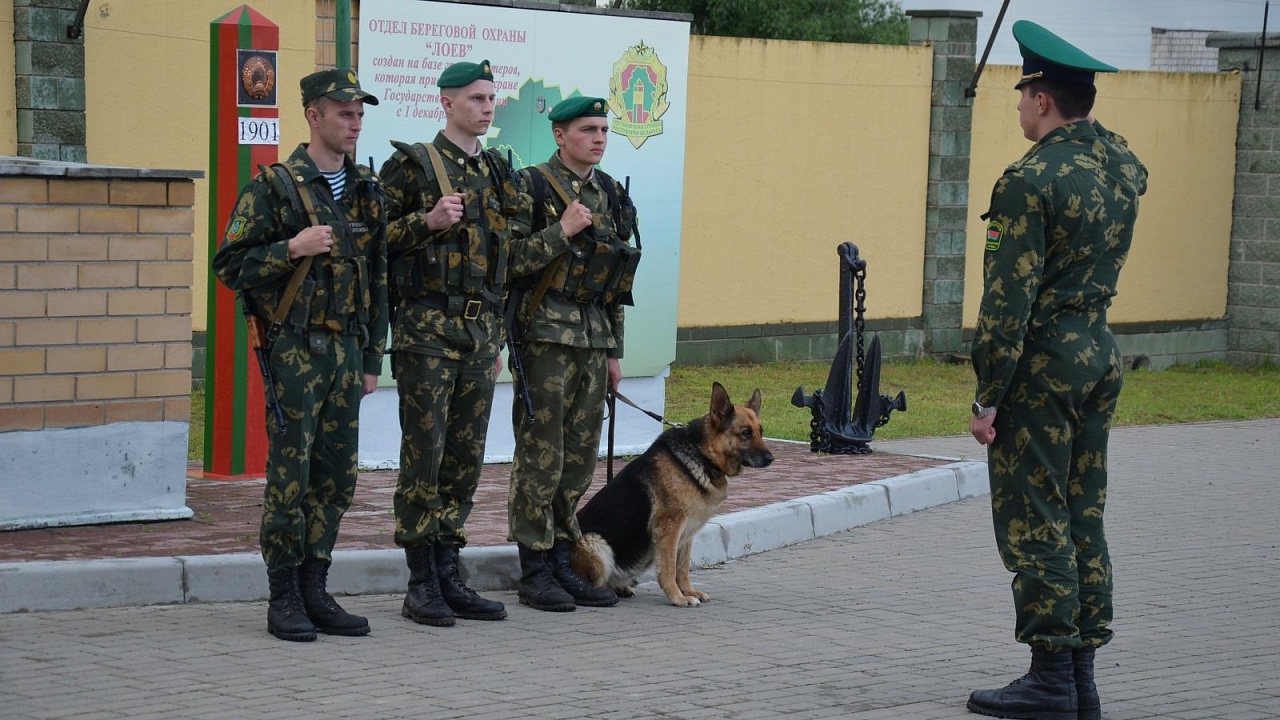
<point x="295" y="282"/>
<point x="544" y="283"/>
<point x="437" y="165"/>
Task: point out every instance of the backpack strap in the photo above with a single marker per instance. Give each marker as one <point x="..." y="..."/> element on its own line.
<point x="615" y="204"/>
<point x="426" y="155"/>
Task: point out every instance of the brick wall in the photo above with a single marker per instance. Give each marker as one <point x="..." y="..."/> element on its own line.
<point x="95" y="295"/>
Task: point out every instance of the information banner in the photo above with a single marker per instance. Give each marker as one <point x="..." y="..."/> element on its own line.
<point x="538" y="58"/>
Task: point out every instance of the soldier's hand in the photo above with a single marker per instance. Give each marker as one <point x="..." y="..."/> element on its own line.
<point x="315" y="240"/>
<point x="983" y="429"/>
<point x="447" y="211"/>
<point x="615" y="373"/>
<point x="575" y="219"/>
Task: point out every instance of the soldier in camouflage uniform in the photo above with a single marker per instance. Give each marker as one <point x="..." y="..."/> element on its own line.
<point x="325" y="354"/>
<point x="1049" y="373"/>
<point x="451" y="253"/>
<point x="570" y="341"/>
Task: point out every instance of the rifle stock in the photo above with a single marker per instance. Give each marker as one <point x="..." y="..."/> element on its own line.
<point x="515" y="340"/>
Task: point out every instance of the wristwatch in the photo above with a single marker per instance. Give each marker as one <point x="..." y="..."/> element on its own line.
<point x="981" y="412"/>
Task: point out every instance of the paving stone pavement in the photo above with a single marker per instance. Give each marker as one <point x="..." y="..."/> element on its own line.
<point x="897" y="619"/>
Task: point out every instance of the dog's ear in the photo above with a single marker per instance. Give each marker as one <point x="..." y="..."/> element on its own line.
<point x="754" y="402"/>
<point x="721" y="406"/>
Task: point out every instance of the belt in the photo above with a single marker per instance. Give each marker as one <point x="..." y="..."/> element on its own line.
<point x="468" y="307"/>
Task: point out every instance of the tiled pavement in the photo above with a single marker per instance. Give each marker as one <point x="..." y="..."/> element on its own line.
<point x="897" y="619"/>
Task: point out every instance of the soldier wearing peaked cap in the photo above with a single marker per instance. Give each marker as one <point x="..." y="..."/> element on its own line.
<point x="571" y="328"/>
<point x="1048" y="372"/>
<point x="451" y="208"/>
<point x="314" y="223"/>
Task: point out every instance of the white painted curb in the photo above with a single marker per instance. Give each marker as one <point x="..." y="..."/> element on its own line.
<point x="74" y="584"/>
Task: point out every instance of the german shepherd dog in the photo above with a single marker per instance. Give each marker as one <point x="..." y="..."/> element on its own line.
<point x="651" y="510"/>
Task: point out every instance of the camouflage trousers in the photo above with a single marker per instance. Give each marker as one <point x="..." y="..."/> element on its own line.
<point x="1048" y="469"/>
<point x="311" y="461"/>
<point x="555" y="453"/>
<point x="444" y="420"/>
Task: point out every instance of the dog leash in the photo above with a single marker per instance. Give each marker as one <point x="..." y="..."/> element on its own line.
<point x="610" y="397"/>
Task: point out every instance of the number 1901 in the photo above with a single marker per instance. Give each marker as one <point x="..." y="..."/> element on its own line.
<point x="259" y="131"/>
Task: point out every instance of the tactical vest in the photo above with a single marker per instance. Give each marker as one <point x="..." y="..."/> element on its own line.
<point x="334" y="295"/>
<point x="595" y="269"/>
<point x="471" y="260"/>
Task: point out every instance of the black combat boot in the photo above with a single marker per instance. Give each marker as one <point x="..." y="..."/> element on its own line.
<point x="1046" y="692"/>
<point x="538" y="587"/>
<point x="583" y="592"/>
<point x="327" y="615"/>
<point x="464" y="601"/>
<point x="1086" y="691"/>
<point x="286" y="617"/>
<point x="423" y="602"/>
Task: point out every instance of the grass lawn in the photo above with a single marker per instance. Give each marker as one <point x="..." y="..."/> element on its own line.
<point x="938" y="396"/>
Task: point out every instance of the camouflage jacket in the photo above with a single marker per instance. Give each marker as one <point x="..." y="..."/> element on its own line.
<point x="475" y="257"/>
<point x="559" y="318"/>
<point x="345" y="287"/>
<point x="1059" y="228"/>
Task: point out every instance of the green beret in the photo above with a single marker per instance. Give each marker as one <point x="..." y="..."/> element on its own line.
<point x="1046" y="56"/>
<point x="579" y="106"/>
<point x="338" y="83"/>
<point x="463" y="74"/>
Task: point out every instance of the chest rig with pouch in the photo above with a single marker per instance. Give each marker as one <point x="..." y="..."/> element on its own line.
<point x="324" y="297"/>
<point x="597" y="269"/>
<point x="466" y="272"/>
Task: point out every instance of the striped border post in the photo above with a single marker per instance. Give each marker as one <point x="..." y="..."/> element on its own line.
<point x="235" y="436"/>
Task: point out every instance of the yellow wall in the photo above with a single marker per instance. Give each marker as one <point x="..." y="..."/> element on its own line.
<point x="8" y="94"/>
<point x="792" y="149"/>
<point x="1183" y="128"/>
<point x="147" y="91"/>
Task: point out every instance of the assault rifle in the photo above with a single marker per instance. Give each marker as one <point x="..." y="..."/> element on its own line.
<point x="262" y="350"/>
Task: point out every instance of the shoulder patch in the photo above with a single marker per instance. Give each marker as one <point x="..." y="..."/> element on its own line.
<point x="236" y="229"/>
<point x="995" y="229"/>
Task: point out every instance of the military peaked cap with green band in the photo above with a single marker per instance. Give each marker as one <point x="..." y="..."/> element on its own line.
<point x="1046" y="56"/>
<point x="338" y="83"/>
<point x="579" y="106"/>
<point x="463" y="74"/>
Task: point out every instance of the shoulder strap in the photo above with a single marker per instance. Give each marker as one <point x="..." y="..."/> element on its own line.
<point x="555" y="184"/>
<point x="291" y="290"/>
<point x="437" y="164"/>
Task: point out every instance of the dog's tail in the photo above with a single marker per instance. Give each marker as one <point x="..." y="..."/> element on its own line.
<point x="592" y="559"/>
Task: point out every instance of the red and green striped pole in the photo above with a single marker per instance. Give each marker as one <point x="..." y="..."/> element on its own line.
<point x="242" y="84"/>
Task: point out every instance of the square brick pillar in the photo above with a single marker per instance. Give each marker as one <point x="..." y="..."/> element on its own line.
<point x="49" y="82"/>
<point x="1253" y="275"/>
<point x="953" y="36"/>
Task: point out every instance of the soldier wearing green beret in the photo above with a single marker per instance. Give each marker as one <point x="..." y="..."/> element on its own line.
<point x="1049" y="372"/>
<point x="326" y="348"/>
<point x="571" y="326"/>
<point x="451" y="204"/>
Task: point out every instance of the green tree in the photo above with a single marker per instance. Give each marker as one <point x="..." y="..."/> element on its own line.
<point x="856" y="21"/>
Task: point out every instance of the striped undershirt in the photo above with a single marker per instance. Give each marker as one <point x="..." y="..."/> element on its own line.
<point x="337" y="181"/>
